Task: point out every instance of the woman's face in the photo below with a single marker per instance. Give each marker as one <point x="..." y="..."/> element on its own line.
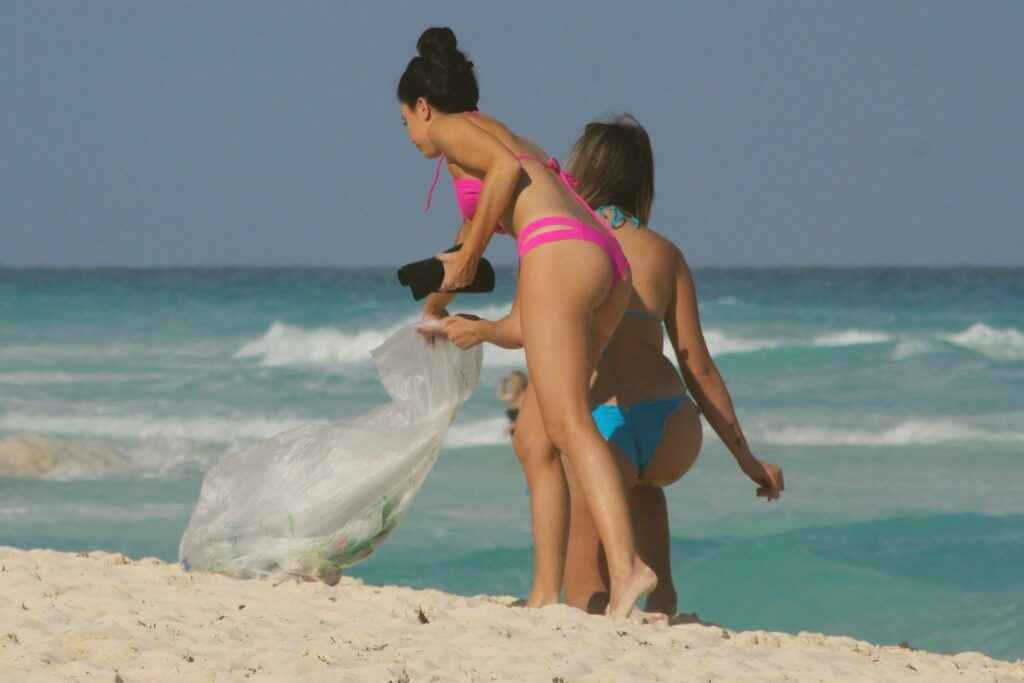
<point x="417" y="123"/>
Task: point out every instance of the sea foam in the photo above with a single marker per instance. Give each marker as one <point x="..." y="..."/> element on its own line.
<point x="995" y="343"/>
<point x="283" y="345"/>
<point x="851" y="338"/>
<point x="486" y="432"/>
<point x="906" y="433"/>
<point x="289" y="345"/>
<point x="220" y="430"/>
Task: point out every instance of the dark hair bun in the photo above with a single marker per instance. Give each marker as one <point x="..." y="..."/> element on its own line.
<point x="439" y="46"/>
<point x="437" y="43"/>
<point x="441" y="73"/>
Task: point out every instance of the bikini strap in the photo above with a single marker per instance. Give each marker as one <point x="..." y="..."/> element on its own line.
<point x="618" y="215"/>
<point x="437" y="172"/>
<point x="433" y="185"/>
<point x="548" y="221"/>
<point x="572" y="184"/>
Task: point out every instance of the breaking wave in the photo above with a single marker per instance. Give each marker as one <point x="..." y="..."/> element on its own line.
<point x="907" y="433"/>
<point x="995" y="343"/>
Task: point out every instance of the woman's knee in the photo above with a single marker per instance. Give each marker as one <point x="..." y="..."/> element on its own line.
<point x="533" y="449"/>
<point x="574" y="435"/>
<point x="556" y="430"/>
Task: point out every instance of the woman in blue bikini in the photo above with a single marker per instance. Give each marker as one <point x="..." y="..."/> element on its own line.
<point x="639" y="397"/>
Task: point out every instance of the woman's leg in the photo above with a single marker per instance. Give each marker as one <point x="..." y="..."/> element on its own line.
<point x="548" y="502"/>
<point x="650" y="518"/>
<point x="567" y="317"/>
<point x="586" y="569"/>
<point x="677" y="451"/>
<point x="586" y="575"/>
<point x="586" y="572"/>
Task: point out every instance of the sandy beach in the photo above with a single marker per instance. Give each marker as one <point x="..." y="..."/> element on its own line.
<point x="105" y="617"/>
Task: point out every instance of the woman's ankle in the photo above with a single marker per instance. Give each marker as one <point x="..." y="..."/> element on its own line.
<point x="638" y="567"/>
<point x="542" y="598"/>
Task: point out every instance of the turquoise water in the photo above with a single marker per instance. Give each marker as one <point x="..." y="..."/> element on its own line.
<point x="891" y="397"/>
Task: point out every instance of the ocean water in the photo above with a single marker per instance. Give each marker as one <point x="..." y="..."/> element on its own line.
<point x="893" y="398"/>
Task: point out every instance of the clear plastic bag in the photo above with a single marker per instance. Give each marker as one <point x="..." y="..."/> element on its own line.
<point x="316" y="499"/>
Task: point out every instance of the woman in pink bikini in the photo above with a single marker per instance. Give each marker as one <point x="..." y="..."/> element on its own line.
<point x="574" y="286"/>
<point x="639" y="398"/>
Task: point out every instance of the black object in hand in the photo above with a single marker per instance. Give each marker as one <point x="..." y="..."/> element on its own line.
<point x="426" y="276"/>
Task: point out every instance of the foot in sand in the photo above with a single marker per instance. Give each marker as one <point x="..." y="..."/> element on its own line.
<point x="625" y="592"/>
<point x="540" y="599"/>
<point x="643" y="617"/>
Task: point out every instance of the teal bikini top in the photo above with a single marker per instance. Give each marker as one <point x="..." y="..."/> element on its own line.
<point x="617" y="220"/>
<point x="618" y="215"/>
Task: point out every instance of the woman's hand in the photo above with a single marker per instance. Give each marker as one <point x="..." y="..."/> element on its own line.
<point x="767" y="476"/>
<point x="430" y="325"/>
<point x="464" y="330"/>
<point x="459" y="270"/>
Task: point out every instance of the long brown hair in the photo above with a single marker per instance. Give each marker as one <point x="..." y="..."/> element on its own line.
<point x="614" y="164"/>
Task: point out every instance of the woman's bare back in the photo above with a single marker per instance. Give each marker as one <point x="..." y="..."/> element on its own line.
<point x="634" y="367"/>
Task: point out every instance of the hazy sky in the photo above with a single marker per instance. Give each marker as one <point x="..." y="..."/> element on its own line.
<point x="187" y="133"/>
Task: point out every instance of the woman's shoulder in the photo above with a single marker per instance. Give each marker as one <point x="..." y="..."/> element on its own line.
<point x="659" y="246"/>
<point x="495" y="127"/>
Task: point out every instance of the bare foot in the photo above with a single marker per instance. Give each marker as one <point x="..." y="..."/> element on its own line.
<point x="626" y="592"/>
<point x="540" y="600"/>
<point x="642" y="617"/>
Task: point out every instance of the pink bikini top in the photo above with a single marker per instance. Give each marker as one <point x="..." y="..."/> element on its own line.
<point x="467" y="190"/>
<point x="467" y="195"/>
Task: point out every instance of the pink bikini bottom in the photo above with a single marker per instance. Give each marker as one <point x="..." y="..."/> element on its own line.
<point x="573" y="229"/>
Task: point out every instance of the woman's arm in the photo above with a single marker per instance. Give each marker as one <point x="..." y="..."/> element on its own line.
<point x="468" y="331"/>
<point x="698" y="368"/>
<point x="504" y="333"/>
<point x="706" y="384"/>
<point x="471" y="147"/>
<point x="436" y="303"/>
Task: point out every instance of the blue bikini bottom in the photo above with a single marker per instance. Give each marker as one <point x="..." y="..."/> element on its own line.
<point x="636" y="429"/>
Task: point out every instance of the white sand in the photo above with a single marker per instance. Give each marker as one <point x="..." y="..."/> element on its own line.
<point x="103" y="617"/>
